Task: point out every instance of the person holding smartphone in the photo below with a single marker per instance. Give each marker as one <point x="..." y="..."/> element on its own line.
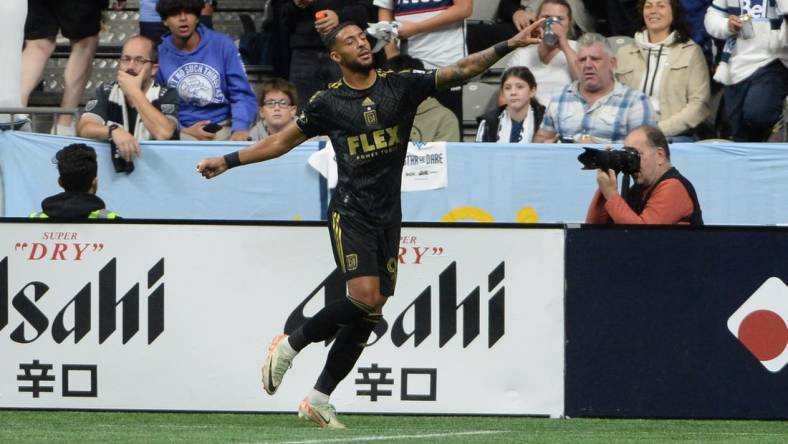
<point x="217" y="102"/>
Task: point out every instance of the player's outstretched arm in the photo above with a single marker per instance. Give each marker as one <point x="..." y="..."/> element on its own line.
<point x="476" y="63"/>
<point x="271" y="147"/>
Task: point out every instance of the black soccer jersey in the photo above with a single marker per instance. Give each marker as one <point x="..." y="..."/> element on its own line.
<point x="369" y="130"/>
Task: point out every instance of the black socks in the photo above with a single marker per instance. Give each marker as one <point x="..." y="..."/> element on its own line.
<point x="327" y="322"/>
<point x="345" y="351"/>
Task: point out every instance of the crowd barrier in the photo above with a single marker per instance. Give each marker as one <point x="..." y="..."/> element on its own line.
<point x="737" y="184"/>
<point x="177" y="317"/>
<point x="487" y="319"/>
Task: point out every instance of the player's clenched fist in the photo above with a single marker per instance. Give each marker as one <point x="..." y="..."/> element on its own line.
<point x="211" y="167"/>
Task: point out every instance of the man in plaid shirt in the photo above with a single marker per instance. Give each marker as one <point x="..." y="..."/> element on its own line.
<point x="596" y="108"/>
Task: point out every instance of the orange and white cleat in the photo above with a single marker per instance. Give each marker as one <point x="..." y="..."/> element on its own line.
<point x="277" y="362"/>
<point x="324" y="415"/>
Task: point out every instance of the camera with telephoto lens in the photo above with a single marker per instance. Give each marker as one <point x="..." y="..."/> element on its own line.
<point x="550" y="38"/>
<point x="626" y="160"/>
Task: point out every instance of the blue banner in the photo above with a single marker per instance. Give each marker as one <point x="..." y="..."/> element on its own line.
<point x="165" y="183"/>
<point x="736" y="183"/>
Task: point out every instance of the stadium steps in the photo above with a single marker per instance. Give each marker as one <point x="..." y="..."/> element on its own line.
<point x="119" y="25"/>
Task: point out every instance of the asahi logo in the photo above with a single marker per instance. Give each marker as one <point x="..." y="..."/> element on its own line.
<point x="421" y="308"/>
<point x="35" y="322"/>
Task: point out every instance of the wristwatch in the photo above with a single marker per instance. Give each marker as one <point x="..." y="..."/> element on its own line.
<point x="112" y="128"/>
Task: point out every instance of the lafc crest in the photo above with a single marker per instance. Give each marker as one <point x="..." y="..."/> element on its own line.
<point x="370" y="112"/>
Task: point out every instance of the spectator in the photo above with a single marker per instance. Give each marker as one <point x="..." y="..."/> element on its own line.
<point x="80" y="22"/>
<point x="435" y="34"/>
<point x="12" y="24"/>
<point x="434" y="122"/>
<point x="582" y="19"/>
<point x="552" y="66"/>
<point x="596" y="108"/>
<point x="695" y="11"/>
<point x="205" y="68"/>
<point x="151" y="25"/>
<point x="278" y="100"/>
<point x="134" y="107"/>
<point x="668" y="67"/>
<point x="752" y="66"/>
<point x="518" y="120"/>
<point x="661" y="195"/>
<point x="77" y="166"/>
<point x="311" y="69"/>
<point x="513" y="15"/>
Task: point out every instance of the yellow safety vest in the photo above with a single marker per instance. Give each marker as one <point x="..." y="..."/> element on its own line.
<point x="98" y="214"/>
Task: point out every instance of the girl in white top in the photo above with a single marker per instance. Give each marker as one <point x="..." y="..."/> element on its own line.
<point x="553" y="66"/>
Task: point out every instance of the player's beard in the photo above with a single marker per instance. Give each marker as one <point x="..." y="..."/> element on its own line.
<point x="359" y="67"/>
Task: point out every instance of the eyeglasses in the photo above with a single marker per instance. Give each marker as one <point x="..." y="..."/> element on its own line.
<point x="284" y="103"/>
<point x="136" y="61"/>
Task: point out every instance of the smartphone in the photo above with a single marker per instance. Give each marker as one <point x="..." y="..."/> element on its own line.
<point x="212" y="128"/>
<point x="120" y="165"/>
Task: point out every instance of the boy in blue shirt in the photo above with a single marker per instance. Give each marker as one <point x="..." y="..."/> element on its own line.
<point x="217" y="102"/>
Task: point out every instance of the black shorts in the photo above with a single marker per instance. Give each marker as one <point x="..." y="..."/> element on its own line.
<point x="364" y="249"/>
<point x="75" y="19"/>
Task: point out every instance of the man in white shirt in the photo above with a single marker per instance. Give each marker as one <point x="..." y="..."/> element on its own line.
<point x="435" y="34"/>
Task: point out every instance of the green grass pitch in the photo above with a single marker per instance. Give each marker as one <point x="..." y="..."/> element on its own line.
<point x="109" y="427"/>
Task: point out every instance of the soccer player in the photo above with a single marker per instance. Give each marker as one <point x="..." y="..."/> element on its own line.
<point x="368" y="115"/>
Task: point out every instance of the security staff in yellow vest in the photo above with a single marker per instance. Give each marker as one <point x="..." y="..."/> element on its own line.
<point x="77" y="166"/>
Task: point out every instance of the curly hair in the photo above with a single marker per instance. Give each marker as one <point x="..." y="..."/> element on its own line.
<point x="167" y="8"/>
<point x="77" y="166"/>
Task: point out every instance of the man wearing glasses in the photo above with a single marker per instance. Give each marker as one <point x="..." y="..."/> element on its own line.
<point x="278" y="100"/>
<point x="134" y="107"/>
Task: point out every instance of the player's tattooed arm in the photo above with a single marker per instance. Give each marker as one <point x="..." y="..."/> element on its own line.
<point x="467" y="68"/>
<point x="475" y="64"/>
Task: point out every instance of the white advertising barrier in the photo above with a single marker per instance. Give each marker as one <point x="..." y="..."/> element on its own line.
<point x="178" y="317"/>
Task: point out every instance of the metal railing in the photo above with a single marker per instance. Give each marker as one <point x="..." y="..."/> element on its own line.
<point x="33" y="113"/>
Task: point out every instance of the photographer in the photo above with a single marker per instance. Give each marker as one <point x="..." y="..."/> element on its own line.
<point x="661" y="195"/>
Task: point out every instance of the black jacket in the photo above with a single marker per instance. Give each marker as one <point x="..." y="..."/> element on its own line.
<point x="71" y="205"/>
<point x="637" y="196"/>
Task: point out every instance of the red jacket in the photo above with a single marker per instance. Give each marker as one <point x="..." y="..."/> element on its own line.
<point x="668" y="204"/>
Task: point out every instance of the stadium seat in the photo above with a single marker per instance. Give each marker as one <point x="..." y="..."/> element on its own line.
<point x="619" y="41"/>
<point x="476" y="96"/>
<point x="493" y="75"/>
<point x="780" y="130"/>
<point x="484" y="10"/>
<point x="230" y="22"/>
